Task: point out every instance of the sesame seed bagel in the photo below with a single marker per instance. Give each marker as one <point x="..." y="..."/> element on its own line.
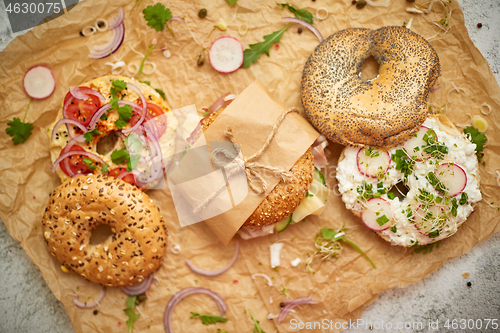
<point x="284" y="197"/>
<point x="382" y="112"/>
<point x="80" y="204"/>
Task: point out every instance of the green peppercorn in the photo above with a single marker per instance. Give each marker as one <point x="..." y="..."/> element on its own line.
<point x="360" y="4"/>
<point x="202" y="13"/>
<point x="201" y="59"/>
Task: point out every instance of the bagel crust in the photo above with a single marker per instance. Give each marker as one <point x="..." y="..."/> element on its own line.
<point x="80" y="204"/>
<point x="284" y="197"/>
<point x="382" y="112"/>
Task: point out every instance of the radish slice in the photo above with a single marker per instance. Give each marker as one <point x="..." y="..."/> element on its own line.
<point x="426" y="220"/>
<point x="377" y="214"/>
<point x="39" y="82"/>
<point x="226" y="54"/>
<point x="418" y="141"/>
<point x="453" y="177"/>
<point x="372" y="162"/>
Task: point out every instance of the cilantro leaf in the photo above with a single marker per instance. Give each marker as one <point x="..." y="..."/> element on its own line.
<point x="19" y="130"/>
<point x="119" y="84"/>
<point x="256" y="328"/>
<point x="252" y="54"/>
<point x="124" y="115"/>
<point x="132" y="163"/>
<point x="478" y="138"/>
<point x="157" y="16"/>
<point x="130" y="312"/>
<point x="105" y="168"/>
<point x="89" y="163"/>
<point x="232" y="2"/>
<point x="146" y="82"/>
<point x="134" y="143"/>
<point x="301" y="14"/>
<point x="120" y="156"/>
<point x="208" y="319"/>
<point x="162" y="93"/>
<point x="89" y="136"/>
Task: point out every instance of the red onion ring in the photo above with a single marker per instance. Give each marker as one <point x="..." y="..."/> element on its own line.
<point x="305" y="24"/>
<point x="144" y="108"/>
<point x="293" y="303"/>
<point x="139" y="288"/>
<point x="180" y="295"/>
<point x="83" y="93"/>
<point x="217" y="272"/>
<point x="117" y="20"/>
<point x="110" y="47"/>
<point x="177" y="18"/>
<point x="68" y="146"/>
<point x="72" y="122"/>
<point x="91" y="304"/>
<point x="75" y="152"/>
<point x="97" y="115"/>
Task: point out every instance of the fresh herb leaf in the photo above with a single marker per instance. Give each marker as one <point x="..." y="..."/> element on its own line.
<point x="120" y="156"/>
<point x="309" y="195"/>
<point x="438" y="185"/>
<point x="124" y="115"/>
<point x="89" y="163"/>
<point x="302" y="14"/>
<point x="477" y="138"/>
<point x="146" y="82"/>
<point x="404" y="163"/>
<point x="391" y="195"/>
<point x="134" y="143"/>
<point x="232" y="2"/>
<point x="19" y="130"/>
<point x="208" y="319"/>
<point x="105" y="168"/>
<point x="382" y="220"/>
<point x="130" y="312"/>
<point x="252" y="54"/>
<point x="464" y="199"/>
<point x="394" y="229"/>
<point x="119" y="84"/>
<point x="157" y="16"/>
<point x="256" y="328"/>
<point x="141" y="67"/>
<point x="89" y="136"/>
<point x="105" y="116"/>
<point x="433" y="147"/>
<point x="132" y="163"/>
<point x="162" y="93"/>
<point x="332" y="234"/>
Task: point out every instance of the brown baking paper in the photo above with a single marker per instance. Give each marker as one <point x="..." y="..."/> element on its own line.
<point x="343" y="287"/>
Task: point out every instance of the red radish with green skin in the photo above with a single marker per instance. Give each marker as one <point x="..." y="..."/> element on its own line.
<point x="371" y="163"/>
<point x="39" y="82"/>
<point x="373" y="214"/>
<point x="453" y="177"/>
<point x="423" y="223"/>
<point x="418" y="141"/>
<point x="226" y="54"/>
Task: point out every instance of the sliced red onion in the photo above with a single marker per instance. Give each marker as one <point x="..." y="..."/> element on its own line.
<point x="71" y="143"/>
<point x="139" y="288"/>
<point x="83" y="93"/>
<point x="305" y="24"/>
<point x="180" y="295"/>
<point x="72" y="122"/>
<point x="97" y="115"/>
<point x="117" y="20"/>
<point x="176" y="18"/>
<point x="87" y="305"/>
<point x="110" y="47"/>
<point x="75" y="152"/>
<point x="217" y="272"/>
<point x="144" y="108"/>
<point x="293" y="303"/>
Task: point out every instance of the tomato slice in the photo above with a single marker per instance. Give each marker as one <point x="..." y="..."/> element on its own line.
<point x="75" y="163"/>
<point x="154" y="113"/>
<point x="128" y="178"/>
<point x="82" y="110"/>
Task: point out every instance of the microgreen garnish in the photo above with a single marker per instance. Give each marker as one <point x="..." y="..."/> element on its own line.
<point x="404" y="163"/>
<point x="433" y="147"/>
<point x="438" y="185"/>
<point x="372" y="152"/>
<point x="208" y="319"/>
<point x="256" y="328"/>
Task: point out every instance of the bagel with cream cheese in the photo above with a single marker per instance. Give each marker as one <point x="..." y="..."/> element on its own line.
<point x="382" y="112"/>
<point x="437" y="167"/>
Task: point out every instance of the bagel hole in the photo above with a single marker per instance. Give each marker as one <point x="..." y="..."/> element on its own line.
<point x="100" y="234"/>
<point x="369" y="69"/>
<point x="107" y="143"/>
<point x="399" y="190"/>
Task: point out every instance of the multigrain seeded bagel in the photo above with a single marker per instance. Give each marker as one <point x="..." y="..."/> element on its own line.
<point x="428" y="212"/>
<point x="274" y="208"/>
<point x="80" y="204"/>
<point x="382" y="112"/>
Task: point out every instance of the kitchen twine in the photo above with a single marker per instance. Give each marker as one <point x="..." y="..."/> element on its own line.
<point x="255" y="180"/>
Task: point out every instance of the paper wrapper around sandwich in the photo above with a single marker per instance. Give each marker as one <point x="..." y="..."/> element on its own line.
<point x="218" y="193"/>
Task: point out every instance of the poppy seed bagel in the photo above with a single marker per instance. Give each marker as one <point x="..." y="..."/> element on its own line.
<point x="382" y="112"/>
<point x="139" y="240"/>
<point x="284" y="197"/>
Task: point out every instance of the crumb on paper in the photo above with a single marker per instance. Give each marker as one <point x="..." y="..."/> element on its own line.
<point x="466" y="275"/>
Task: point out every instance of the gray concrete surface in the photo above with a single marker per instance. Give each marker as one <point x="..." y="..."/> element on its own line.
<point x="27" y="304"/>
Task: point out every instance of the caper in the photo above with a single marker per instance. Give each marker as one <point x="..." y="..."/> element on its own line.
<point x="410" y="0"/>
<point x="202" y="13"/>
<point x="140" y="298"/>
<point x="299" y="30"/>
<point x="360" y="4"/>
<point x="201" y="59"/>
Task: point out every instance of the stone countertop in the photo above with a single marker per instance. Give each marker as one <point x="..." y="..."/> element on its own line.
<point x="28" y="305"/>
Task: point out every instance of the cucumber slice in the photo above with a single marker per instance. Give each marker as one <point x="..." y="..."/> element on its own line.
<point x="283" y="224"/>
<point x="319" y="176"/>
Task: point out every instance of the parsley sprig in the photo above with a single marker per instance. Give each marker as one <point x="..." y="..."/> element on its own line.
<point x="477" y="138"/>
<point x="19" y="130"/>
<point x="301" y="14"/>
